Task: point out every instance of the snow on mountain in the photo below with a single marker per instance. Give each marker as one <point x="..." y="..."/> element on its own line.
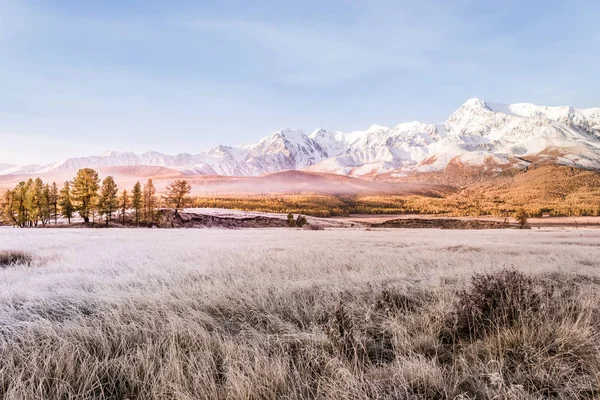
<point x="22" y="170"/>
<point x="284" y="150"/>
<point x="479" y="133"/>
<point x="332" y="142"/>
<point x="4" y="167"/>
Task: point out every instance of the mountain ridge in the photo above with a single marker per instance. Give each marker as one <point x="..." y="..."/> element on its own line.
<point x="479" y="133"/>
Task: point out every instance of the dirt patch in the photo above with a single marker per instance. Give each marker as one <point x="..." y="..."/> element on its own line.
<point x="443" y="223"/>
<point x="172" y="219"/>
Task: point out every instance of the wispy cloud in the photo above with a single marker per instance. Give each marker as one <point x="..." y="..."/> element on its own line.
<point x="298" y="55"/>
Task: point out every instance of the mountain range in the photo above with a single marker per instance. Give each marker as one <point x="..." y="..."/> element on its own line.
<point x="480" y="134"/>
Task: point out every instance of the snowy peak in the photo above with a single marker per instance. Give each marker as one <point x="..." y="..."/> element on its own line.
<point x="479" y="133"/>
<point x="565" y="114"/>
<point x="333" y="143"/>
<point x="377" y="128"/>
<point x="475" y="103"/>
<point x="472" y="113"/>
<point x="286" y="149"/>
<point x="284" y="140"/>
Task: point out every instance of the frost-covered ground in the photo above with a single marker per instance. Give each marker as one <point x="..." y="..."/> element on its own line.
<point x="87" y="257"/>
<point x="212" y="313"/>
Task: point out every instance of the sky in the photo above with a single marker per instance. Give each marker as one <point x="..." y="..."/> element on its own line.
<point x="79" y="78"/>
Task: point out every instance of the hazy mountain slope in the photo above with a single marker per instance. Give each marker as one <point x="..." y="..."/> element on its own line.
<point x="4" y="167"/>
<point x="480" y="134"/>
<point x="305" y="182"/>
<point x="542" y="189"/>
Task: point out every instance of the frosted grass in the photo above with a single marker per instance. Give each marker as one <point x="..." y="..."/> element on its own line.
<point x="148" y="313"/>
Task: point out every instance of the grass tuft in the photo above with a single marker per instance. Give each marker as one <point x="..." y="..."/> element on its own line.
<point x="9" y="258"/>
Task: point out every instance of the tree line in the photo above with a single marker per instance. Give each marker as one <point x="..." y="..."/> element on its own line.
<point x="34" y="203"/>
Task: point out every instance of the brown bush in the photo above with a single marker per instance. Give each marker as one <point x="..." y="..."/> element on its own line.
<point x="494" y="300"/>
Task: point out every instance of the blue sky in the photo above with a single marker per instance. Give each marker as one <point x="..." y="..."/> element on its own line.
<point x="78" y="78"/>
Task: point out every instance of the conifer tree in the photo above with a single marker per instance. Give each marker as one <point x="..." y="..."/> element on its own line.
<point x="124" y="205"/>
<point x="290" y="220"/>
<point x="19" y="209"/>
<point x="54" y="202"/>
<point x="85" y="192"/>
<point x="521" y="217"/>
<point x="7" y="207"/>
<point x="176" y="194"/>
<point x="26" y="205"/>
<point x="44" y="205"/>
<point x="149" y="201"/>
<point x="137" y="201"/>
<point x="301" y="221"/>
<point x="108" y="202"/>
<point x="64" y="201"/>
<point x="33" y="201"/>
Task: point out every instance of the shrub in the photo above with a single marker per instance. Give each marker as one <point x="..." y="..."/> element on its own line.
<point x="301" y="221"/>
<point x="494" y="300"/>
<point x="14" y="257"/>
<point x="290" y="220"/>
<point x="521" y="217"/>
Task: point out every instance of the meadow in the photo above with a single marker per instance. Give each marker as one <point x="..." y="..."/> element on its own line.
<point x="294" y="314"/>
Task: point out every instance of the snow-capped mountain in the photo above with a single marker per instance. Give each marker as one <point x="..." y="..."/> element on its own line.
<point x="478" y="134"/>
<point x="4" y="167"/>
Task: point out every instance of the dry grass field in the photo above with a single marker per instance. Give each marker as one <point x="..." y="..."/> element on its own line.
<point x="293" y="314"/>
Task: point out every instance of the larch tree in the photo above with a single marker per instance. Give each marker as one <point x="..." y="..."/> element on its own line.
<point x="13" y="206"/>
<point x="149" y="196"/>
<point x="19" y="211"/>
<point x="108" y="202"/>
<point x="301" y="221"/>
<point x="137" y="201"/>
<point x="65" y="203"/>
<point x="7" y="202"/>
<point x="54" y="196"/>
<point x="176" y="194"/>
<point x="124" y="205"/>
<point x="85" y="192"/>
<point x="34" y="201"/>
<point x="521" y="217"/>
<point x="27" y="204"/>
<point x="45" y="211"/>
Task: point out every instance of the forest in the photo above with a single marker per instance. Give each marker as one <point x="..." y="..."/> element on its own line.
<point x="546" y="191"/>
<point x="34" y="203"/>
